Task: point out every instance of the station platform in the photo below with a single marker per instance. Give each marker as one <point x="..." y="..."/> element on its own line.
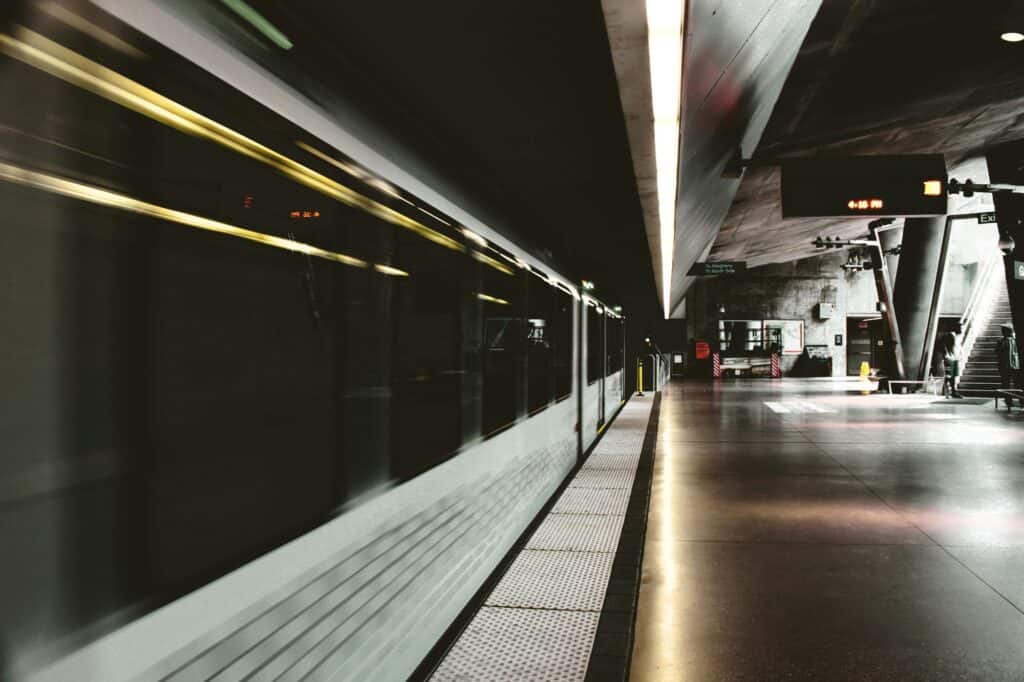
<point x="796" y="530"/>
<point x="564" y="608"/>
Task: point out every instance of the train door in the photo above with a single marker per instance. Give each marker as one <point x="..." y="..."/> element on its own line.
<point x="592" y="371"/>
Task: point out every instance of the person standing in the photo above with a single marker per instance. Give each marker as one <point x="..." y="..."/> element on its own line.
<point x="1009" y="361"/>
<point x="950" y="345"/>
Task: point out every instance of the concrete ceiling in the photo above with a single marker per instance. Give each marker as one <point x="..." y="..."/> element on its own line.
<point x="737" y="54"/>
<point x="874" y="77"/>
<point x="626" y="21"/>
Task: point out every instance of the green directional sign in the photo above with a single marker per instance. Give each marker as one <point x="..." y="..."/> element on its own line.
<point x="724" y="267"/>
<point x="1018" y="269"/>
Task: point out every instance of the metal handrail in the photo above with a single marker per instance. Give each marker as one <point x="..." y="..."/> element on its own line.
<point x="987" y="270"/>
<point x="979" y="305"/>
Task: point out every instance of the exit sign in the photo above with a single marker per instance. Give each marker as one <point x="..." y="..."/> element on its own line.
<point x="1018" y="269"/>
<point x="911" y="185"/>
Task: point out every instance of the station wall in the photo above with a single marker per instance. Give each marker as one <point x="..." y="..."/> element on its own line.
<point x="793" y="290"/>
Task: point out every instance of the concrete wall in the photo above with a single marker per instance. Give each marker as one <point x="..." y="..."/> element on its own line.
<point x="792" y="291"/>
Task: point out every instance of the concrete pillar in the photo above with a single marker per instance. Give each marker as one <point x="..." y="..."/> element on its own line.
<point x="1006" y="164"/>
<point x="889" y="239"/>
<point x="915" y="285"/>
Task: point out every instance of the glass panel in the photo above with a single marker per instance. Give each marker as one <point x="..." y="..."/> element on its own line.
<point x="614" y="346"/>
<point x="561" y="341"/>
<point x="500" y="298"/>
<point x="539" y="341"/>
<point x="427" y="356"/>
<point x="595" y="344"/>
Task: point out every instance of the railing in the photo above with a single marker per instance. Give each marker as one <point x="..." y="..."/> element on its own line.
<point x="979" y="304"/>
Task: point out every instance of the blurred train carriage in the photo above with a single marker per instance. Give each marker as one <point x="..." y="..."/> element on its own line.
<point x="257" y="378"/>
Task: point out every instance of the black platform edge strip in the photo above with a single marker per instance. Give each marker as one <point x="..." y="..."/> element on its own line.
<point x="612" y="652"/>
<point x="436" y="655"/>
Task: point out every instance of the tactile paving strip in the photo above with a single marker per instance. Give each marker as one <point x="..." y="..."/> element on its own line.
<point x="619" y="479"/>
<point x="611" y="461"/>
<point x="578" y="532"/>
<point x="540" y="621"/>
<point x="521" y="644"/>
<point x="602" y="501"/>
<point x="555" y="580"/>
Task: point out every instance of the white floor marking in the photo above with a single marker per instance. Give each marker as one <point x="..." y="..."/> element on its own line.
<point x="797" y="407"/>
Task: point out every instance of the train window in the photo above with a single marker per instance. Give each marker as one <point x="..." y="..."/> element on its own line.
<point x="426" y="358"/>
<point x="501" y="338"/>
<point x="614" y="345"/>
<point x="540" y="381"/>
<point x="562" y="341"/>
<point x="595" y="343"/>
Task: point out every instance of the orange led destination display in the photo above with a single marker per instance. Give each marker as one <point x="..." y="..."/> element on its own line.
<point x="912" y="185"/>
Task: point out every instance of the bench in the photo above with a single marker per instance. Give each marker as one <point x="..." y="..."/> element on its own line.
<point x="1009" y="394"/>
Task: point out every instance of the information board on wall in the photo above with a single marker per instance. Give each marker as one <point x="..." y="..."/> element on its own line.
<point x="909" y="185"/>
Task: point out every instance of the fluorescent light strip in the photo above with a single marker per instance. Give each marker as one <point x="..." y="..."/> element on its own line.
<point x="97" y="195"/>
<point x="44" y="54"/>
<point x="665" y="46"/>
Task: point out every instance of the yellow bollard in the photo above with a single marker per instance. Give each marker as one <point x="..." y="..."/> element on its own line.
<point x="865" y="370"/>
<point x="640" y="377"/>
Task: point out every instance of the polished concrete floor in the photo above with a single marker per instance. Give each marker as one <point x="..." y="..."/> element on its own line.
<point x="802" y="530"/>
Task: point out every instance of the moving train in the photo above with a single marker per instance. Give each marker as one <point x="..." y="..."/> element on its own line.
<point x="274" y="404"/>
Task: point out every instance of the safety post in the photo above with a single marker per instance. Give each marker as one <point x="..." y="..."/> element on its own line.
<point x="716" y="365"/>
<point x="776" y="367"/>
<point x="639" y="376"/>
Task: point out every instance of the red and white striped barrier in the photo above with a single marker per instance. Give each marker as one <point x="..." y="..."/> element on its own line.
<point x="716" y="365"/>
<point x="776" y="367"/>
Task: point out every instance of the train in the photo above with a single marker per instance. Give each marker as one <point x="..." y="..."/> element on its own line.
<point x="276" y="404"/>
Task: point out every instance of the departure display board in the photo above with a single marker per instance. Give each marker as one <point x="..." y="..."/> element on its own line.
<point x="912" y="185"/>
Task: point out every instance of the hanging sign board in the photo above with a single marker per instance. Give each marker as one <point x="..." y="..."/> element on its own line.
<point x="719" y="268"/>
<point x="985" y="218"/>
<point x="1018" y="269"/>
<point x="912" y="185"/>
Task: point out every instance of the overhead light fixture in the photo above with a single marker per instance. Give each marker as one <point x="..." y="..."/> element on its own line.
<point x="1011" y="26"/>
<point x="588" y="285"/>
<point x="665" y="47"/>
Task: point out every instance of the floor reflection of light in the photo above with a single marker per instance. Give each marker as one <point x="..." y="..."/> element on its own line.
<point x="667" y="598"/>
<point x="848" y="515"/>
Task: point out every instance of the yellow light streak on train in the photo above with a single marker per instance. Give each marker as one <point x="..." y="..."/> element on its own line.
<point x="103" y="197"/>
<point x="40" y="52"/>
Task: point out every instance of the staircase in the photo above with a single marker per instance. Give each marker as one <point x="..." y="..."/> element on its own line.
<point x="980" y="371"/>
